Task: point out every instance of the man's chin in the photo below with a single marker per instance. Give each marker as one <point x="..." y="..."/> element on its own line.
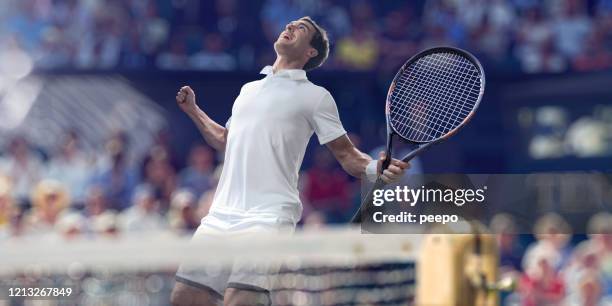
<point x="281" y="46"/>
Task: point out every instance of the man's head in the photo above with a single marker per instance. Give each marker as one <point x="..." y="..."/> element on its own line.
<point x="303" y="40"/>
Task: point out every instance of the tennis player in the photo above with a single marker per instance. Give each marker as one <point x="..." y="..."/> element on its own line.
<point x="264" y="142"/>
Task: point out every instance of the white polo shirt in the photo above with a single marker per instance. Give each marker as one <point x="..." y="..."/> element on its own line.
<point x="272" y="121"/>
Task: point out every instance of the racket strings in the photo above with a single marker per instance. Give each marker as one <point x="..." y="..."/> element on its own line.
<point x="430" y="120"/>
<point x="451" y="107"/>
<point x="433" y="96"/>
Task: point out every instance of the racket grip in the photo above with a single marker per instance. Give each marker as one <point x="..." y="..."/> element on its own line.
<point x="367" y="201"/>
<point x="386" y="162"/>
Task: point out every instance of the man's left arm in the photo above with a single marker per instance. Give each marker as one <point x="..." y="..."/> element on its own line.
<point x="359" y="164"/>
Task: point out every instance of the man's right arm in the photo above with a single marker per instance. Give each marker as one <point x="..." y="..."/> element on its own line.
<point x="214" y="133"/>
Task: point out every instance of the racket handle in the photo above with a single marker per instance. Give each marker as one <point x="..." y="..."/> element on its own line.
<point x="367" y="200"/>
<point x="386" y="162"/>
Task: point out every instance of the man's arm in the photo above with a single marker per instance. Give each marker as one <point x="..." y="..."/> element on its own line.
<point x="355" y="162"/>
<point x="214" y="133"/>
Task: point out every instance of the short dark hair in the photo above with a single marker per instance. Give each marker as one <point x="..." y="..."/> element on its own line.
<point x="320" y="42"/>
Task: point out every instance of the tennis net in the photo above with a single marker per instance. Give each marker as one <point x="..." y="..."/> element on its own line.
<point x="323" y="267"/>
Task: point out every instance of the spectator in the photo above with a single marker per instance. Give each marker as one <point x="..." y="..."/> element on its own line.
<point x="594" y="56"/>
<point x="571" y="28"/>
<point x="227" y="20"/>
<point x="182" y="215"/>
<point x="23" y="166"/>
<point x="600" y="233"/>
<point x="27" y="25"/>
<point x="144" y="214"/>
<point x="105" y="225"/>
<point x="440" y="18"/>
<point x="535" y="49"/>
<point x="359" y="51"/>
<point x="362" y="15"/>
<point x="71" y="167"/>
<point x="553" y="235"/>
<point x="118" y="141"/>
<point x="101" y="46"/>
<point x="489" y="39"/>
<point x="546" y="60"/>
<point x="95" y="201"/>
<point x="154" y="30"/>
<point x="500" y="15"/>
<point x="397" y="39"/>
<point x="55" y="51"/>
<point x="333" y="17"/>
<point x="132" y="55"/>
<point x="275" y="14"/>
<point x="600" y="242"/>
<point x="510" y="250"/>
<point x="176" y="57"/>
<point x="71" y="226"/>
<point x="326" y="188"/>
<point x="116" y="177"/>
<point x="96" y="34"/>
<point x="198" y="175"/>
<point x="50" y="200"/>
<point x="533" y="30"/>
<point x="583" y="270"/>
<point x="101" y="221"/>
<point x="213" y="55"/>
<point x="541" y="285"/>
<point x="159" y="174"/>
<point x="163" y="143"/>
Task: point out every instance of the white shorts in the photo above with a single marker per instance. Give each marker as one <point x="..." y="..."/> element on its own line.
<point x="241" y="273"/>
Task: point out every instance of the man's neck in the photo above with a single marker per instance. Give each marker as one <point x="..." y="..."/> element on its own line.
<point x="283" y="63"/>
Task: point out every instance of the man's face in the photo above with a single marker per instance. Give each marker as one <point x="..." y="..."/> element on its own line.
<point x="294" y="41"/>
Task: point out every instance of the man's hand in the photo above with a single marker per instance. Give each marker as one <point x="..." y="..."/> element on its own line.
<point x="214" y="134"/>
<point x="395" y="171"/>
<point x="185" y="98"/>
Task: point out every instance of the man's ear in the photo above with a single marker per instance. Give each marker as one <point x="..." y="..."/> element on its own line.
<point x="312" y="52"/>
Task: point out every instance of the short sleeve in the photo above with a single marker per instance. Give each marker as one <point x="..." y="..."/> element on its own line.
<point x="326" y="121"/>
<point x="227" y="124"/>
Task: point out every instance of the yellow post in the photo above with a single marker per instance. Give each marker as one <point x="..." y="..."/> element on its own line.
<point x="451" y="273"/>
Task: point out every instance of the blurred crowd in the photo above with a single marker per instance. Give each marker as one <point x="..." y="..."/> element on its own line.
<point x="557" y="267"/>
<point x="514" y="35"/>
<point x="70" y="192"/>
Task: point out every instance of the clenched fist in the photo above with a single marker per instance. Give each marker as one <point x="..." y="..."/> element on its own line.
<point x="185" y="98"/>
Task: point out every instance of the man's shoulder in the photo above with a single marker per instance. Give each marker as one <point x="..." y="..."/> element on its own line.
<point x="251" y="84"/>
<point x="314" y="88"/>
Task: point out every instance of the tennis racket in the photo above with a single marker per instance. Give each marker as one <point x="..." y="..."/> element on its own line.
<point x="432" y="96"/>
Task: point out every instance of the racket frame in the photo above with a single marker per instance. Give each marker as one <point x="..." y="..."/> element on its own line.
<point x="421" y="146"/>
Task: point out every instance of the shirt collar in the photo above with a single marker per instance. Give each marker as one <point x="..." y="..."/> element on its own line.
<point x="294" y="74"/>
